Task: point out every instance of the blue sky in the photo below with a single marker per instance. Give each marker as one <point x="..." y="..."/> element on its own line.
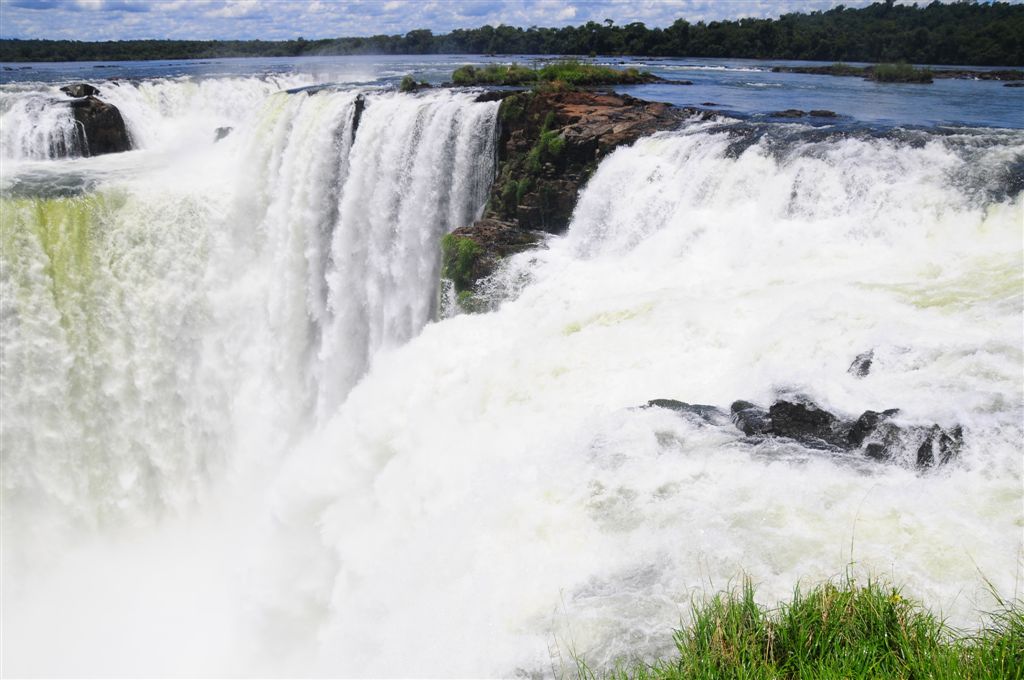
<point x="282" y="19"/>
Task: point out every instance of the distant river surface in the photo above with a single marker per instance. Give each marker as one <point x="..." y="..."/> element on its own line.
<point x="738" y="86"/>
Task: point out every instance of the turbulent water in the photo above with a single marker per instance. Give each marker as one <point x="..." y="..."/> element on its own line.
<point x="237" y="438"/>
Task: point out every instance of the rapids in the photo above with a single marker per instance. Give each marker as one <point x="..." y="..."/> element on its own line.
<point x="238" y="437"/>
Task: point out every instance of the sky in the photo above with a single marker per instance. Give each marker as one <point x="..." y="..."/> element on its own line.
<point x="289" y="19"/>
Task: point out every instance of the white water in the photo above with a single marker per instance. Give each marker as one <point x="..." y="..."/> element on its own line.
<point x="284" y="475"/>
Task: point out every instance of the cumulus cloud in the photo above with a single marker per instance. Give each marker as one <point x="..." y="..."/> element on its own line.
<point x="282" y="19"/>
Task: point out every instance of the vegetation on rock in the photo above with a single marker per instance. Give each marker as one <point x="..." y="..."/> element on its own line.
<point x="900" y="73"/>
<point x="409" y="84"/>
<point x="568" y="72"/>
<point x="843" y="630"/>
<point x="458" y="257"/>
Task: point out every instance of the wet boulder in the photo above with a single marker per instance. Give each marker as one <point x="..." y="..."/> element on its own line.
<point x="221" y="132"/>
<point x="806" y="423"/>
<point x="861" y="365"/>
<point x="700" y="412"/>
<point x="750" y="419"/>
<point x="100" y="126"/>
<point x="939" y="446"/>
<point x="79" y="90"/>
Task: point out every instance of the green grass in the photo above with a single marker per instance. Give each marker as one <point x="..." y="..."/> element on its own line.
<point x="835" y="631"/>
<point x="900" y="73"/>
<point x="568" y="72"/>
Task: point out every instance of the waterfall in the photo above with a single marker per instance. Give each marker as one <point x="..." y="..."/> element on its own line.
<point x="33" y="128"/>
<point x="277" y="265"/>
<point x="493" y="499"/>
<point x="235" y="443"/>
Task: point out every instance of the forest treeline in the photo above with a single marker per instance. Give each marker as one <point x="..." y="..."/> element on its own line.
<point x="957" y="33"/>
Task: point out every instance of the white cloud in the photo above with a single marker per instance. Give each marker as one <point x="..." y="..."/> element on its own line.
<point x="233" y="9"/>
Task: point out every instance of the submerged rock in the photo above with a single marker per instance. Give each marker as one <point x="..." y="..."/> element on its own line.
<point x="101" y="126"/>
<point x="703" y="412"/>
<point x="221" y="132"/>
<point x="751" y="420"/>
<point x="861" y="365"/>
<point x="80" y="90"/>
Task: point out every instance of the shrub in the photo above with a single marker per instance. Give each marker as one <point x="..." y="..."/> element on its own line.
<point x="458" y="257"/>
<point x="900" y="73"/>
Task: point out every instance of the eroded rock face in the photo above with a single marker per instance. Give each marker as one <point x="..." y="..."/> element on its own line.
<point x="550" y="144"/>
<point x="101" y="125"/>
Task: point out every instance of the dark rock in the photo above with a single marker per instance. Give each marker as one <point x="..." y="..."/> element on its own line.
<point x="495" y="95"/>
<point x="867" y="425"/>
<point x="875" y="434"/>
<point x="1013" y="84"/>
<point x="939" y="446"/>
<point x="357" y="114"/>
<point x="861" y="365"/>
<point x="79" y="90"/>
<point x="807" y="424"/>
<point x="823" y="113"/>
<point x="789" y="113"/>
<point x="221" y="132"/>
<point x="101" y="126"/>
<point x="752" y="420"/>
<point x="708" y="414"/>
<point x="678" y="82"/>
<point x="708" y="104"/>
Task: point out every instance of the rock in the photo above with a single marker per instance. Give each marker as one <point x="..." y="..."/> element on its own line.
<point x="861" y="365"/>
<point x="357" y="114"/>
<point x="1013" y="84"/>
<point x="807" y="424"/>
<point x="939" y="446"/>
<point x="495" y="95"/>
<point x="788" y="113"/>
<point x="709" y="104"/>
<point x="221" y="132"/>
<point x="705" y="413"/>
<point x="494" y="240"/>
<point x="823" y="113"/>
<point x="875" y="434"/>
<point x="101" y="126"/>
<point x="549" y="144"/>
<point x="79" y="90"/>
<point x="750" y="419"/>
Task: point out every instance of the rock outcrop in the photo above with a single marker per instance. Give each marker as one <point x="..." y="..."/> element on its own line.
<point x="101" y="126"/>
<point x="549" y="145"/>
<point x="79" y="90"/>
<point x="874" y="434"/>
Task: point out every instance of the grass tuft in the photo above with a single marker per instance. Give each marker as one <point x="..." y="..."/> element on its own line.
<point x="833" y="631"/>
